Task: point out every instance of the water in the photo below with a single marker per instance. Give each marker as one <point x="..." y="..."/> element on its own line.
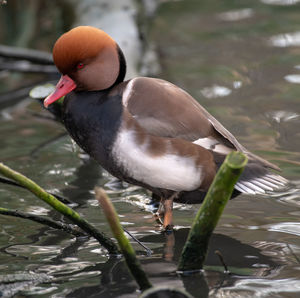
<point x="241" y="60"/>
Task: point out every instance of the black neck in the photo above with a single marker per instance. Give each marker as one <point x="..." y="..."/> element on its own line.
<point x="122" y="71"/>
<point x="93" y="119"/>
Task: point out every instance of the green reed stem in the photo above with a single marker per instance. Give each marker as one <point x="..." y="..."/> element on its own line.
<point x="60" y="207"/>
<point x="195" y="249"/>
<point x="132" y="261"/>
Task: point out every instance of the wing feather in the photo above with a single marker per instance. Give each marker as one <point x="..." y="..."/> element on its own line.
<point x="166" y="110"/>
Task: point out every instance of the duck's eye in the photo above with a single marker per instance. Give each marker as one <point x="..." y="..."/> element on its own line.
<point x="80" y="65"/>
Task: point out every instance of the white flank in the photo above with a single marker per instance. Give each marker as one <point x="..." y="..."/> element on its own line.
<point x="127" y="92"/>
<point x="168" y="171"/>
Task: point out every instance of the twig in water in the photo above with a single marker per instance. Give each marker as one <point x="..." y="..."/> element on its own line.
<point x="218" y="253"/>
<point x="148" y="250"/>
<point x="45" y="221"/>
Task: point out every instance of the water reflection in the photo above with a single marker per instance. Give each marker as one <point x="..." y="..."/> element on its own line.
<point x="236" y="15"/>
<point x="293" y="78"/>
<point x="215" y="91"/>
<point x="237" y="84"/>
<point x="286" y="227"/>
<point x="113" y="276"/>
<point x="37" y="290"/>
<point x="30" y="250"/>
<point x="283" y="116"/>
<point x="235" y="253"/>
<point x="37" y="210"/>
<point x="262" y="288"/>
<point x="206" y="50"/>
<point x="64" y="269"/>
<point x="280" y="2"/>
<point x="11" y="284"/>
<point x="286" y="40"/>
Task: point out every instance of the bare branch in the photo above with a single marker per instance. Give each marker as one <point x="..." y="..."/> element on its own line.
<point x="26" y="54"/>
<point x="45" y="221"/>
<point x="25" y="66"/>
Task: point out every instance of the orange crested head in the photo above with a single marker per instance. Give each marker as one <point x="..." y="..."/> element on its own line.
<point x="79" y="45"/>
<point x="89" y="60"/>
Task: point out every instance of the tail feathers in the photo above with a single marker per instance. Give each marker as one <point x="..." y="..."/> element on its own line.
<point x="261" y="184"/>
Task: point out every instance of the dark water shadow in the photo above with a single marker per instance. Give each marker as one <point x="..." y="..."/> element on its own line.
<point x="86" y="177"/>
<point x="242" y="259"/>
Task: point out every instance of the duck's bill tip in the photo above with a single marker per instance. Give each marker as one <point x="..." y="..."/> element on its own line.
<point x="64" y="86"/>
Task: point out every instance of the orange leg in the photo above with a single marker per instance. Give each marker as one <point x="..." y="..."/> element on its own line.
<point x="168" y="214"/>
<point x="165" y="211"/>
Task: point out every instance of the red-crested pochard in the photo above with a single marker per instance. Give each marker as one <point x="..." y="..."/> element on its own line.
<point x="145" y="131"/>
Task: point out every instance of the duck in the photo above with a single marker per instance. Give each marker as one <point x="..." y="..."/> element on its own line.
<point x="145" y="131"/>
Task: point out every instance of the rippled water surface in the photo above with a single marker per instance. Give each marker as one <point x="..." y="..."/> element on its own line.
<point x="241" y="60"/>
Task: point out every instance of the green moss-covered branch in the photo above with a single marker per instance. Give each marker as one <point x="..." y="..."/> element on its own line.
<point x="195" y="249"/>
<point x="60" y="207"/>
<point x="125" y="246"/>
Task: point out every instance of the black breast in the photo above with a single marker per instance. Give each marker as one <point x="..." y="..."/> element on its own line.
<point x="93" y="119"/>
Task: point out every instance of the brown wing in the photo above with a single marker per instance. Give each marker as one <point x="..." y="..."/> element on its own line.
<point x="166" y="110"/>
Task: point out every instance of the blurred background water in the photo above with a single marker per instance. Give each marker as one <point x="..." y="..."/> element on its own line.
<point x="241" y="60"/>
